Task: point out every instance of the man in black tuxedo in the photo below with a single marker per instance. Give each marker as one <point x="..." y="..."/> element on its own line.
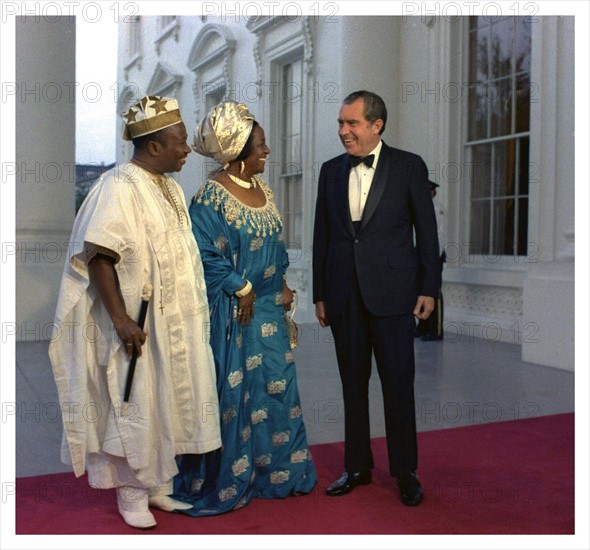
<point x="369" y="282"/>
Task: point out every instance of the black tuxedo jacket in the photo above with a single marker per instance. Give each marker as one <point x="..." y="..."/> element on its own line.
<point x="390" y="268"/>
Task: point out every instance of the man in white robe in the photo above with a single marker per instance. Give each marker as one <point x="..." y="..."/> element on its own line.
<point x="132" y="241"/>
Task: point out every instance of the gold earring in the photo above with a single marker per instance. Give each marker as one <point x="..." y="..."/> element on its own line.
<point x="242" y="166"/>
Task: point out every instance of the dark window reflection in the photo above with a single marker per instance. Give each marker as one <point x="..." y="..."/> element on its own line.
<point x="499" y="91"/>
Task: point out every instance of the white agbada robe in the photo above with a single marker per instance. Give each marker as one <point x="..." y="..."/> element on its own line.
<point x="173" y="406"/>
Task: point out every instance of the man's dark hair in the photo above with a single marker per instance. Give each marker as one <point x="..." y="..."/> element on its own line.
<point x="159" y="136"/>
<point x="248" y="145"/>
<point x="374" y="106"/>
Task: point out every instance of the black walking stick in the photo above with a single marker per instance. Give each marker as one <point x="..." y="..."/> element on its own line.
<point x="145" y="299"/>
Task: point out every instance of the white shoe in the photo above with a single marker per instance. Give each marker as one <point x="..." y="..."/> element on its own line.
<point x="168" y="504"/>
<point x="133" y="507"/>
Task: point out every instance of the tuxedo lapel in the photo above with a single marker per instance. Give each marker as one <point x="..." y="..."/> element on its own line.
<point x="342" y="203"/>
<point x="378" y="185"/>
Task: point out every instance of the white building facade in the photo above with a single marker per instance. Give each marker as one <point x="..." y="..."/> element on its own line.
<point x="487" y="102"/>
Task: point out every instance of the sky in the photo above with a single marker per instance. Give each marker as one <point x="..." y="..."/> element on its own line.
<point x="96" y="75"/>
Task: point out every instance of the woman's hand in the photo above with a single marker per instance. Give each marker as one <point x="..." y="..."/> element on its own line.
<point x="246" y="307"/>
<point x="288" y="297"/>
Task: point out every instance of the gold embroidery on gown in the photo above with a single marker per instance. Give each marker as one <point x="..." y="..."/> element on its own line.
<point x="261" y="220"/>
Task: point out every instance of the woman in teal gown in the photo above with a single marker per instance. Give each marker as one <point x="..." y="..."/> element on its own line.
<point x="239" y="232"/>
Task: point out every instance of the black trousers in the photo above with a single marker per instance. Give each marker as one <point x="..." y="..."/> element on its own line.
<point x="358" y="334"/>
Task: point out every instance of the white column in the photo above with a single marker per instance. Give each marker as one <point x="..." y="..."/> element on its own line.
<point x="45" y="158"/>
<point x="548" y="308"/>
<point x="371" y="57"/>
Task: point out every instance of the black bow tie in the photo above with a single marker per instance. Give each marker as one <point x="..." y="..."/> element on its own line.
<point x="368" y="160"/>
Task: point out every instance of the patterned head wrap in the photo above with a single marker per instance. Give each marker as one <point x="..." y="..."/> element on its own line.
<point x="224" y="131"/>
<point x="150" y="114"/>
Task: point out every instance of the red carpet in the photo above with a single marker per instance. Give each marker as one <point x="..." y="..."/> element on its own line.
<point x="512" y="477"/>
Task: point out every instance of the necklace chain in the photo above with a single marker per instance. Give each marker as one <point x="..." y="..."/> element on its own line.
<point x="163" y="184"/>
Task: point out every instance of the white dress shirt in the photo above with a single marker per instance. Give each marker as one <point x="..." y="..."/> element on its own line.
<point x="359" y="185"/>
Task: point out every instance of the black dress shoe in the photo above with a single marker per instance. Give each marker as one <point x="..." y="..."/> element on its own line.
<point x="410" y="489"/>
<point x="348" y="482"/>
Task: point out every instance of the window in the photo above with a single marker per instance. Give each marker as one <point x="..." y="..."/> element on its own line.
<point x="290" y="154"/>
<point x="497" y="146"/>
<point x="214" y="94"/>
<point x="168" y="26"/>
<point x="134" y="37"/>
<point x="211" y="61"/>
<point x="165" y="21"/>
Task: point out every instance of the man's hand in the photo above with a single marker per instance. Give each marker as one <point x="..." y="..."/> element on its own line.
<point x="104" y="278"/>
<point x="320" y="313"/>
<point x="424" y="307"/>
<point x="129" y="333"/>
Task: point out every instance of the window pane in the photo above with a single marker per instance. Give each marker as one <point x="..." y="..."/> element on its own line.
<point x="290" y="153"/>
<point x="478" y="112"/>
<point x="478" y="53"/>
<point x="503" y="238"/>
<point x="292" y="85"/>
<point x="501" y="47"/>
<point x="504" y="168"/>
<point x="292" y="213"/>
<point x="474" y="22"/>
<point x="291" y="161"/>
<point x="480" y="175"/>
<point x="523" y="102"/>
<point x="522" y="44"/>
<point x="523" y="222"/>
<point x="479" y="227"/>
<point x="523" y="167"/>
<point x="500" y="105"/>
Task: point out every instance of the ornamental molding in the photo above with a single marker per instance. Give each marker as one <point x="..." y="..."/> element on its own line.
<point x="301" y="35"/>
<point x="213" y="43"/>
<point x="482" y="300"/>
<point x="165" y="80"/>
<point x="214" y="46"/>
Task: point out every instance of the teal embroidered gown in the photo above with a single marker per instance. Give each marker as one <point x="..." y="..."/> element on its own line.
<point x="265" y="452"/>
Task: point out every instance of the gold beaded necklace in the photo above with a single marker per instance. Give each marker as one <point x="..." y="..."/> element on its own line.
<point x="162" y="182"/>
